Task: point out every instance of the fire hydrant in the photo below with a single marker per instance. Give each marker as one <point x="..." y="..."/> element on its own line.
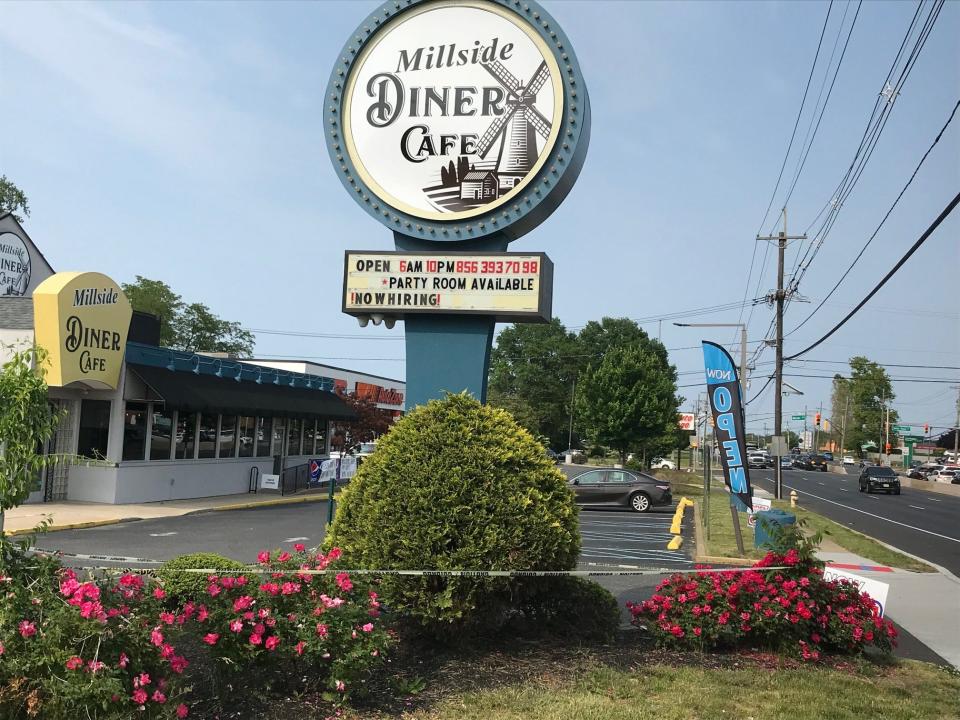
<point x="793" y="498"/>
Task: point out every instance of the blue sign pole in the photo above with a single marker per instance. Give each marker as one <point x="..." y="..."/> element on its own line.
<point x="448" y="353"/>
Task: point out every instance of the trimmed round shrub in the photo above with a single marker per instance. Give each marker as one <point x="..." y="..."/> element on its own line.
<point x="456" y="485"/>
<point x="181" y="586"/>
<point x="569" y="607"/>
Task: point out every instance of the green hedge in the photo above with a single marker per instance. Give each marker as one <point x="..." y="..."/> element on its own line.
<point x="185" y="586"/>
<point x="457" y="485"/>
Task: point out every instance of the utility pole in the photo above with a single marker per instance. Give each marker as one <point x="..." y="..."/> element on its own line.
<point x="843" y="428"/>
<point x="956" y="430"/>
<point x="573" y="399"/>
<point x="779" y="297"/>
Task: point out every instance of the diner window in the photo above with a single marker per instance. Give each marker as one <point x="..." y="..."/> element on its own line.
<point x="186" y="434"/>
<point x="207" y="438"/>
<point x="228" y="436"/>
<point x="160" y="434"/>
<point x="264" y="436"/>
<point x="309" y="435"/>
<point x="247" y="436"/>
<point x="293" y="443"/>
<point x="279" y="436"/>
<point x="94" y="428"/>
<point x="135" y="431"/>
<point x="320" y="437"/>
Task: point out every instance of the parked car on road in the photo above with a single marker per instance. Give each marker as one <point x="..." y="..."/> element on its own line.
<point x="828" y="455"/>
<point x="626" y="488"/>
<point x="659" y="463"/>
<point x="848" y="460"/>
<point x="916" y="474"/>
<point x="945" y="475"/>
<point x="879" y="478"/>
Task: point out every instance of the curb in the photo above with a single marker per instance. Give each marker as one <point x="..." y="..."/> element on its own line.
<point x="199" y="511"/>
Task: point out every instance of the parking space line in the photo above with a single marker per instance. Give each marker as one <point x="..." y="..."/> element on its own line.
<point x="918" y="507"/>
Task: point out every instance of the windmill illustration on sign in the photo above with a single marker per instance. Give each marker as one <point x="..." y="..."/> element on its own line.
<point x="469" y="185"/>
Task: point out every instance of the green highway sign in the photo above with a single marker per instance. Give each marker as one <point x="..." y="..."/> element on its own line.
<point x="798" y="417"/>
<point x="916" y="430"/>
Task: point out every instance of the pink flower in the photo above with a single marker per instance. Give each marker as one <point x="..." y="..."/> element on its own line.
<point x="159" y="593"/>
<point x="74" y="663"/>
<point x="213" y="590"/>
<point x="321" y="630"/>
<point x="167" y="651"/>
<point x="299" y="647"/>
<point x="211" y="638"/>
<point x="178" y="664"/>
<point x="2" y="649"/>
<point x="340" y="686"/>
<point x="255" y="639"/>
<point x="124" y="660"/>
<point x="299" y="547"/>
<point x="139" y="697"/>
<point x="334" y="554"/>
<point x="27" y="629"/>
<point x="237" y="625"/>
<point x="697" y="631"/>
<point x="158" y="697"/>
<point x="263" y="557"/>
<point x="167" y="617"/>
<point x="141" y="680"/>
<point x="242" y="603"/>
<point x="202" y="614"/>
<point x="284" y="556"/>
<point x="343" y="582"/>
<point x="156" y="637"/>
<point x="367" y="628"/>
<point x="182" y="711"/>
<point x="272" y="642"/>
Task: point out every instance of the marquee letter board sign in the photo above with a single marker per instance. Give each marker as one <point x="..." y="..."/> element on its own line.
<point x="460" y="125"/>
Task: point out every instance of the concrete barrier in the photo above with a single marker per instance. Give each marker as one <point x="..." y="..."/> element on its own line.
<point x="930" y="486"/>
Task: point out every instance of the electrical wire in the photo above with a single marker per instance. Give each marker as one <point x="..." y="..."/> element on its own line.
<point x="884" y="220"/>
<point x="783" y="165"/>
<point x="922" y="239"/>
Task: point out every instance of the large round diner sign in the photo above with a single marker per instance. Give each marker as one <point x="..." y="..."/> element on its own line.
<point x="456" y="119"/>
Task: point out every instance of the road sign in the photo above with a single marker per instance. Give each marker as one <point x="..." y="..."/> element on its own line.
<point x="759" y="504"/>
<point x="798" y="417"/>
<point x="778" y="446"/>
<point x="687" y="421"/>
<point x="908" y="430"/>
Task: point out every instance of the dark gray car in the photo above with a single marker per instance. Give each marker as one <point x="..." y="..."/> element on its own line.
<point x="879" y="478"/>
<point x="626" y="488"/>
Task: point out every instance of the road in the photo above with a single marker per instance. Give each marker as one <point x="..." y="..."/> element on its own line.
<point x="921" y="523"/>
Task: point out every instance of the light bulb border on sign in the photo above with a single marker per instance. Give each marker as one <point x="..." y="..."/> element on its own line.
<point x="541" y="193"/>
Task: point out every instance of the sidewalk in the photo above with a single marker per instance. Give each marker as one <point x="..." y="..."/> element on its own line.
<point x="71" y="515"/>
<point x="926" y="605"/>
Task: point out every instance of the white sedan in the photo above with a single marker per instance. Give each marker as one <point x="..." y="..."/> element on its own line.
<point x="663" y="464"/>
<point x="848" y="460"/>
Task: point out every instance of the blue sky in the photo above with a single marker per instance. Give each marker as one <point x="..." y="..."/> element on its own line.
<point x="183" y="142"/>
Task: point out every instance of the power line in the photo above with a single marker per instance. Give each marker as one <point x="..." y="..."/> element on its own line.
<point x="806" y="153"/>
<point x="922" y="239"/>
<point x="783" y="165"/>
<point x="884" y="220"/>
<point x="871" y="137"/>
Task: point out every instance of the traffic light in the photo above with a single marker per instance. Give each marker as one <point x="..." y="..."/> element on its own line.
<point x="889" y="446"/>
<point x="818" y="419"/>
<point x="926" y="429"/>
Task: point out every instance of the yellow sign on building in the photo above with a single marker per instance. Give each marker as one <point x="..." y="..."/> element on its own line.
<point x="81" y="319"/>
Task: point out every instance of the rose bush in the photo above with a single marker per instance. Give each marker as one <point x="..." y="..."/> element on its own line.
<point x="76" y="647"/>
<point x="109" y="646"/>
<point x="285" y="614"/>
<point x="793" y="610"/>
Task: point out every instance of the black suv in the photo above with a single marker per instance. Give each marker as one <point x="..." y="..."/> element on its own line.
<point x="879" y="478"/>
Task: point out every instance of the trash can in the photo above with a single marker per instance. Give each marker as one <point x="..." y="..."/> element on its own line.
<point x="768" y="521"/>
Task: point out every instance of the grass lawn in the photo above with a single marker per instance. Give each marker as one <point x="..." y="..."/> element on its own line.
<point x="909" y="690"/>
<point x="722" y="542"/>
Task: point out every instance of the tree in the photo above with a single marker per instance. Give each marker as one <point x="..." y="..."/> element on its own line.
<point x="627" y="401"/>
<point x="371" y="423"/>
<point x="156" y="297"/>
<point x="199" y="330"/>
<point x="597" y="338"/>
<point x="870" y="392"/>
<point x="841" y="410"/>
<point x="193" y="327"/>
<point x="27" y="421"/>
<point x="13" y="199"/>
<point x="532" y="370"/>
